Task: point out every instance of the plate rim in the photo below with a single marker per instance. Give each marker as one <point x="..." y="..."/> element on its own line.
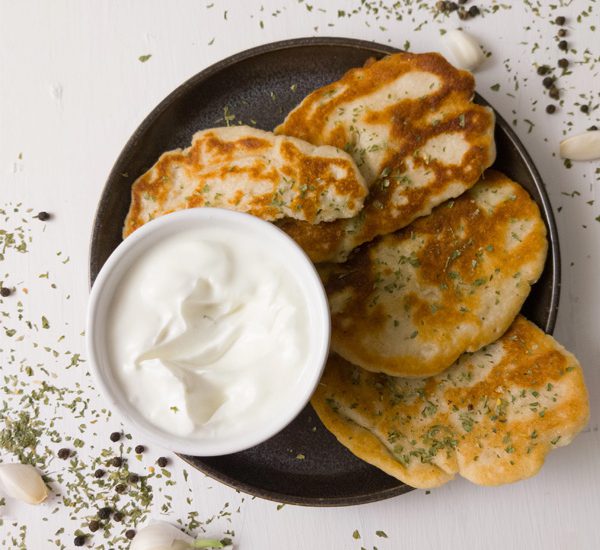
<point x="376" y="48"/>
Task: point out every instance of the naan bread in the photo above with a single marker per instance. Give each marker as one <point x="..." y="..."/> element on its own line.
<point x="491" y="418"/>
<point x="249" y="170"/>
<point x="410" y="303"/>
<point x="409" y="123"/>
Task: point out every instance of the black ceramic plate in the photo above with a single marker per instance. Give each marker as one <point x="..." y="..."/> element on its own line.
<point x="260" y="86"/>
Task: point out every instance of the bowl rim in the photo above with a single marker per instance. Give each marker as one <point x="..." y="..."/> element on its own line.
<point x="153" y="232"/>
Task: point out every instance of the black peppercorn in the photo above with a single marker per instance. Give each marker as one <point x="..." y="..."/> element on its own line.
<point x="585" y="109"/>
<point x="94" y="525"/>
<point x="548" y="82"/>
<point x="560" y="20"/>
<point x="43" y="216"/>
<point x="130" y="533"/>
<point x="5" y="292"/>
<point x="99" y="473"/>
<point x="452" y="6"/>
<point x="104" y="513"/>
<point x="563" y="63"/>
<point x="162" y="461"/>
<point x="563" y="45"/>
<point x="115" y="436"/>
<point x="543" y="69"/>
<point x="474" y="11"/>
<point x="139" y="449"/>
<point x="551" y="109"/>
<point x="554" y="93"/>
<point x="134" y="478"/>
<point x="121" y="488"/>
<point x="562" y="32"/>
<point x="116" y="462"/>
<point x="79" y="540"/>
<point x="63" y="454"/>
<point x="118" y="517"/>
<point x="463" y="14"/>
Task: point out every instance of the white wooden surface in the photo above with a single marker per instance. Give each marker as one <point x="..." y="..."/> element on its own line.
<point x="72" y="90"/>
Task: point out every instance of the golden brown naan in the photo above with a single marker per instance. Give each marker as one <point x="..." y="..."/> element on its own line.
<point x="491" y="418"/>
<point x="410" y="124"/>
<point x="249" y="170"/>
<point x="410" y="303"/>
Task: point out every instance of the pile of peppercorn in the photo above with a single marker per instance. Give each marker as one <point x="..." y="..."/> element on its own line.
<point x="549" y="81"/>
<point x="458" y="7"/>
<point x="106" y="514"/>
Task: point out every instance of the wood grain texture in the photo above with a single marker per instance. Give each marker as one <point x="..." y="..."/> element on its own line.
<point x="72" y="90"/>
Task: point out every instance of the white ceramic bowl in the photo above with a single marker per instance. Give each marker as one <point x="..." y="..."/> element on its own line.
<point x="123" y="258"/>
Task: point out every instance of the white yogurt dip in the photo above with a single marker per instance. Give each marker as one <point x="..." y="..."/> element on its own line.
<point x="208" y="333"/>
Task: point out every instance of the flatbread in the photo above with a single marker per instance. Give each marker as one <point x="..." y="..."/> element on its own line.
<point x="491" y="418"/>
<point x="409" y="122"/>
<point x="410" y="303"/>
<point x="249" y="170"/>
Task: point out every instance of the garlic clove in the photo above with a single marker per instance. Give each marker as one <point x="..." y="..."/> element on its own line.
<point x="23" y="482"/>
<point x="463" y="50"/>
<point x="161" y="536"/>
<point x="584" y="146"/>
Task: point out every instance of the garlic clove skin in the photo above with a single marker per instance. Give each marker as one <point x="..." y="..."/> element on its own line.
<point x="463" y="50"/>
<point x="23" y="482"/>
<point x="584" y="146"/>
<point x="161" y="535"/>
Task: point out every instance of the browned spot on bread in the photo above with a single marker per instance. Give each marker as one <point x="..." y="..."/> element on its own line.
<point x="492" y="417"/>
<point x="252" y="171"/>
<point x="411" y="302"/>
<point x="388" y="162"/>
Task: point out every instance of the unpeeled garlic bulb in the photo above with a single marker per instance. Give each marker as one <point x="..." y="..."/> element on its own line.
<point x="584" y="146"/>
<point x="23" y="482"/>
<point x="463" y="50"/>
<point x="161" y="536"/>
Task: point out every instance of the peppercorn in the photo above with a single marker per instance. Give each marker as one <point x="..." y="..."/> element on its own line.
<point x="593" y="128"/>
<point x="563" y="45"/>
<point x="79" y="540"/>
<point x="554" y="93"/>
<point x="121" y="488"/>
<point x="43" y="216"/>
<point x="94" y="525"/>
<point x="585" y="109"/>
<point x="563" y="63"/>
<point x="452" y="6"/>
<point x="104" y="513"/>
<point x="463" y="14"/>
<point x="116" y="462"/>
<point x="63" y="454"/>
<point x="560" y="20"/>
<point x="5" y="292"/>
<point x="134" y="478"/>
<point x="115" y="436"/>
<point x="562" y="32"/>
<point x="99" y="473"/>
<point x="548" y="82"/>
<point x="139" y="449"/>
<point x="440" y="6"/>
<point x="130" y="533"/>
<point x="162" y="461"/>
<point x="551" y="109"/>
<point x="474" y="11"/>
<point x="118" y="517"/>
<point x="543" y="69"/>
